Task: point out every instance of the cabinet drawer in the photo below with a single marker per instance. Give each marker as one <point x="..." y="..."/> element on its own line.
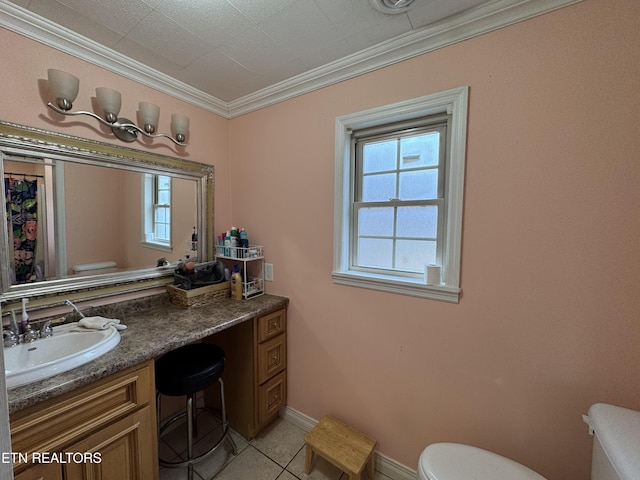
<point x="271" y="325"/>
<point x="272" y="357"/>
<point x="271" y="397"/>
<point x="125" y="452"/>
<point x="43" y="471"/>
<point x="49" y="426"/>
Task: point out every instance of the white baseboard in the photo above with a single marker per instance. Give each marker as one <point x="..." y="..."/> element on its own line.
<point x="385" y="465"/>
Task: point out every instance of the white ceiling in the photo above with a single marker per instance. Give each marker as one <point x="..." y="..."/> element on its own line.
<point x="231" y="50"/>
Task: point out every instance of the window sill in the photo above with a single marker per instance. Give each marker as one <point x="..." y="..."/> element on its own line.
<point x="403" y="286"/>
<point x="158" y="246"/>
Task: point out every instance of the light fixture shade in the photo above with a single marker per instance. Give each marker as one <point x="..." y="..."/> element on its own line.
<point x="110" y="101"/>
<point x="179" y="124"/>
<point x="63" y="85"/>
<point x="149" y="115"/>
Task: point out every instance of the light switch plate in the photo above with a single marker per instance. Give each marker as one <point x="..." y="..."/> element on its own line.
<point x="268" y="272"/>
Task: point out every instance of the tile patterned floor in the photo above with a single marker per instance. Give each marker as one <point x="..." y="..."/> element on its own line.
<point x="276" y="454"/>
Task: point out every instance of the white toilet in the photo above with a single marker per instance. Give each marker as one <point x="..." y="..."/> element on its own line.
<point x="616" y="442"/>
<point x="454" y="461"/>
<point x="616" y="453"/>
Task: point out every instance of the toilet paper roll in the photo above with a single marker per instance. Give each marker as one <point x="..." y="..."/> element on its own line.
<point x="432" y="274"/>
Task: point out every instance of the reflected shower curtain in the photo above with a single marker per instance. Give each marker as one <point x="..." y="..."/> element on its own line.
<point x="22" y="216"/>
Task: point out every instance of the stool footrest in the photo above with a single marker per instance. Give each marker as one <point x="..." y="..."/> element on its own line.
<point x="226" y="435"/>
<point x="342" y="446"/>
<point x="200" y="373"/>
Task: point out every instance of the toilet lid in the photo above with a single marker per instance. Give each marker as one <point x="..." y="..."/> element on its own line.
<point x="453" y="461"/>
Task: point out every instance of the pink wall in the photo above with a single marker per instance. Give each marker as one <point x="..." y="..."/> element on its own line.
<point x="547" y="324"/>
<point x="92" y="234"/>
<point x="23" y="79"/>
<point x="548" y="320"/>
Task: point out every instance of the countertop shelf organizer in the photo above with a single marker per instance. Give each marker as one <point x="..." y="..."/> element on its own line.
<point x="250" y="262"/>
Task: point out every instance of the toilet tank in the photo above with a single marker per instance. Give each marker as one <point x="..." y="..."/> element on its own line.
<point x="616" y="442"/>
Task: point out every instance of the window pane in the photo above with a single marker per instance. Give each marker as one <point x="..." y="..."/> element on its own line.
<point x="164" y="182"/>
<point x="419" y="185"/>
<point x="420" y="150"/>
<point x="379" y="156"/>
<point x="164" y="197"/>
<point x="378" y="188"/>
<point x="161" y="232"/>
<point x="412" y="255"/>
<point x="375" y="252"/>
<point x="161" y="215"/>
<point x="418" y="222"/>
<point x="375" y="221"/>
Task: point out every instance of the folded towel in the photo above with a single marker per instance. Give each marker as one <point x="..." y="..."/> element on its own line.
<point x="100" y="323"/>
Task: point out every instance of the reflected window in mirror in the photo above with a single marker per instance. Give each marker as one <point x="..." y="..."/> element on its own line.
<point x="157" y="211"/>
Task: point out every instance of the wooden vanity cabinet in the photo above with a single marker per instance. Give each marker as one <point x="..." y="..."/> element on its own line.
<point x="113" y="417"/>
<point x="43" y="471"/>
<point x="255" y="374"/>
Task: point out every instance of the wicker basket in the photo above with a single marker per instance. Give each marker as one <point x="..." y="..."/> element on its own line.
<point x="198" y="296"/>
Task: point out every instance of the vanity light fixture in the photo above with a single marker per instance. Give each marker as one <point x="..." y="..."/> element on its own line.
<point x="64" y="87"/>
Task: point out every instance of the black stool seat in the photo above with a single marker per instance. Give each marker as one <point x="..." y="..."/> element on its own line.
<point x="185" y="372"/>
<point x="189" y="369"/>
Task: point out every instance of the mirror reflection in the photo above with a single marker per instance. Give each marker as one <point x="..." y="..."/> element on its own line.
<point x="105" y="220"/>
<point x="84" y="214"/>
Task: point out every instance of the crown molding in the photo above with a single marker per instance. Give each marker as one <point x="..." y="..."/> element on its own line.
<point x="471" y="23"/>
<point x="42" y="30"/>
<point x="485" y="18"/>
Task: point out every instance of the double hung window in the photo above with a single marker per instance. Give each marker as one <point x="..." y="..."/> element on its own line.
<point x="398" y="195"/>
<point x="157" y="210"/>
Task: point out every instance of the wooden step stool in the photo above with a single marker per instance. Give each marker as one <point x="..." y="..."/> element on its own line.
<point x="342" y="446"/>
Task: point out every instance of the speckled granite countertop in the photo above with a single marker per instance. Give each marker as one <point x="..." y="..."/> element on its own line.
<point x="155" y="326"/>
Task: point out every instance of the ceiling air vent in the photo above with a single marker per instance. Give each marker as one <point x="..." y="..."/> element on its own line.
<point x="391" y="7"/>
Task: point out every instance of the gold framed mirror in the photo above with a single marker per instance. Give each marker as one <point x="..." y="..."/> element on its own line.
<point x="93" y="219"/>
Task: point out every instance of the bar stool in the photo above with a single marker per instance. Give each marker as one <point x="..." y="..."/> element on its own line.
<point x="186" y="371"/>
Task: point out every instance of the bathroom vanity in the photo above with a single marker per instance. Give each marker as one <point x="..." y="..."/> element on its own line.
<point x="102" y="430"/>
<point x="255" y="371"/>
<point x="108" y="405"/>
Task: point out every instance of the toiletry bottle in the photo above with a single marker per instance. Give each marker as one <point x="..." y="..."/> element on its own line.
<point x="234" y="242"/>
<point x="194" y="239"/>
<point x="25" y="318"/>
<point x="221" y="238"/>
<point x="236" y="284"/>
<point x="227" y="244"/>
<point x="244" y="243"/>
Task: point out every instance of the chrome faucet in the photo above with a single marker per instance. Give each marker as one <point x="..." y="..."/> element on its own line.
<point x="9" y="338"/>
<point x="70" y="303"/>
<point x="29" y="335"/>
<point x="46" y="330"/>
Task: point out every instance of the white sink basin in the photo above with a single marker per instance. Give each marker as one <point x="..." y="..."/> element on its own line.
<point x="69" y="347"/>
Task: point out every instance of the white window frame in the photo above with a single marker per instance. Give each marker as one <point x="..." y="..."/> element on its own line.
<point x="452" y="102"/>
<point x="149" y="194"/>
